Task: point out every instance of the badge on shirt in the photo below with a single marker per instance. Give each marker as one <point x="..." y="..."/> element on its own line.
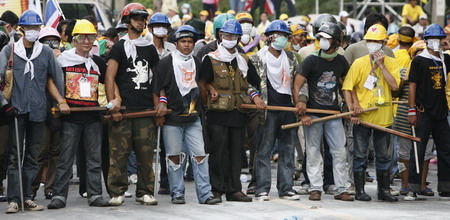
<point x="85" y="88"/>
<point x="370" y="82"/>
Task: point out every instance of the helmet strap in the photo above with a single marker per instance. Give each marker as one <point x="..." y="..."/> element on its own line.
<point x="136" y="30"/>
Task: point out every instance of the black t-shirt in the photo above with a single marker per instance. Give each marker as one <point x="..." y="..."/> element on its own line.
<point x="324" y="80"/>
<point x="430" y="90"/>
<point x="231" y="118"/>
<point x="277" y="99"/>
<point x="134" y="78"/>
<point x="73" y="75"/>
<point x="164" y="78"/>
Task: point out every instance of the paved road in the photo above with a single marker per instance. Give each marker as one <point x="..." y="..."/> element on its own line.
<point x="328" y="208"/>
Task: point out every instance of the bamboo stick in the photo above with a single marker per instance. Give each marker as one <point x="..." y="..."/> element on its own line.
<point x="291" y="109"/>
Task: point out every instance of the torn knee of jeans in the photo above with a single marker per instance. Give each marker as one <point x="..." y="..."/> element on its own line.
<point x="199" y="159"/>
<point x="175" y="161"/>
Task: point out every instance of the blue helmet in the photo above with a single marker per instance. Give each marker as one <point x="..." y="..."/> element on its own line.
<point x="186" y="31"/>
<point x="30" y="17"/>
<point x="232" y="27"/>
<point x="159" y="18"/>
<point x="434" y="30"/>
<point x="277" y="26"/>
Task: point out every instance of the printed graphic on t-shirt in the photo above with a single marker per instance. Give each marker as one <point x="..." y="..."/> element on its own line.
<point x="75" y="77"/>
<point x="436" y="77"/>
<point x="326" y="86"/>
<point x="142" y="73"/>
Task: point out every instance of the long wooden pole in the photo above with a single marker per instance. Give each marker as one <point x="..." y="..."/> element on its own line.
<point x="86" y="109"/>
<point x="399" y="102"/>
<point x="142" y="114"/>
<point x="291" y="109"/>
<point x="297" y="124"/>
<point x="390" y="131"/>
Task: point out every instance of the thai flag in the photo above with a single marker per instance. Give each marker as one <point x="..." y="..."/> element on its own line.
<point x="52" y="14"/>
<point x="268" y="6"/>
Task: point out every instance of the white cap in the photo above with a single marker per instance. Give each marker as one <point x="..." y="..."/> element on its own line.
<point x="343" y="14"/>
<point x="323" y="34"/>
<point x="423" y="16"/>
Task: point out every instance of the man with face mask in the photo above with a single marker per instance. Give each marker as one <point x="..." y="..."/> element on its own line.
<point x="276" y="68"/>
<point x="128" y="82"/>
<point x="11" y="20"/>
<point x="249" y="41"/>
<point x="177" y="75"/>
<point x="298" y="38"/>
<point x="34" y="67"/>
<point x="159" y="26"/>
<point x="428" y="94"/>
<point x="225" y="75"/>
<point x="324" y="70"/>
<point x="369" y="83"/>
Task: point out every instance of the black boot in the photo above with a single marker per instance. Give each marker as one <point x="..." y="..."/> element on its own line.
<point x="384" y="192"/>
<point x="360" y="180"/>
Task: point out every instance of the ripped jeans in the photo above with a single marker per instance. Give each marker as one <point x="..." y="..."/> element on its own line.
<point x="191" y="137"/>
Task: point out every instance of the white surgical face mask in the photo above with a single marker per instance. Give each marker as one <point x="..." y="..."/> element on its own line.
<point x="434" y="44"/>
<point x="12" y="33"/>
<point x="324" y="43"/>
<point x="160" y="31"/>
<point x="229" y="44"/>
<point x="296" y="47"/>
<point x="247" y="28"/>
<point x="245" y="39"/>
<point x="31" y="35"/>
<point x="184" y="10"/>
<point x="373" y="47"/>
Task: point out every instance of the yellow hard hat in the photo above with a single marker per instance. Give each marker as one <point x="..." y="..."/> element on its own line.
<point x="217" y="13"/>
<point x="244" y="16"/>
<point x="83" y="26"/>
<point x="284" y="17"/>
<point x="231" y="12"/>
<point x="204" y="13"/>
<point x="150" y="11"/>
<point x="376" y="32"/>
<point x="298" y="29"/>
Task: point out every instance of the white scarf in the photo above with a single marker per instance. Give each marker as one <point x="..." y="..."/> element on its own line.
<point x="70" y="58"/>
<point x="278" y="70"/>
<point x="185" y="71"/>
<point x="130" y="45"/>
<point x="426" y="54"/>
<point x="222" y="54"/>
<point x="19" y="50"/>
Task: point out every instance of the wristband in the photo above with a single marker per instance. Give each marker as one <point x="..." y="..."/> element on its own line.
<point x="163" y="99"/>
<point x="254" y="94"/>
<point x="412" y="111"/>
<point x="62" y="102"/>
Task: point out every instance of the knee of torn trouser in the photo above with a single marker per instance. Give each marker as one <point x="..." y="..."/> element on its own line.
<point x="175" y="161"/>
<point x="199" y="159"/>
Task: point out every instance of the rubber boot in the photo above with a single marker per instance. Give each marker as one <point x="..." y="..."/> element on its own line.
<point x="383" y="187"/>
<point x="360" y="181"/>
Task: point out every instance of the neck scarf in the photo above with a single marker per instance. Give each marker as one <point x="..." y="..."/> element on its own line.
<point x="185" y="71"/>
<point x="130" y="45"/>
<point x="70" y="58"/>
<point x="325" y="55"/>
<point x="19" y="50"/>
<point x="222" y="54"/>
<point x="278" y="70"/>
<point x="428" y="55"/>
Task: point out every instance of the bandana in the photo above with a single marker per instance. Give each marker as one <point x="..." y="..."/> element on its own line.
<point x="185" y="72"/>
<point x="19" y="50"/>
<point x="130" y="45"/>
<point x="70" y="58"/>
<point x="222" y="54"/>
<point x="278" y="70"/>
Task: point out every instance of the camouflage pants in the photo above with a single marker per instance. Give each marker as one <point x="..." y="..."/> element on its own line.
<point x="124" y="136"/>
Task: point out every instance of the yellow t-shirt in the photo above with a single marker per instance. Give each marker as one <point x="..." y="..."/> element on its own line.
<point x="413" y="13"/>
<point x="355" y="79"/>
<point x="404" y="63"/>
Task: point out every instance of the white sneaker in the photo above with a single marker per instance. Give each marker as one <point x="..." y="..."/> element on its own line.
<point x="304" y="189"/>
<point x="132" y="179"/>
<point x="12" y="208"/>
<point x="117" y="201"/>
<point x="147" y="200"/>
<point x="128" y="195"/>
<point x="291" y="196"/>
<point x="84" y="195"/>
<point x="411" y="196"/>
<point x="262" y="197"/>
<point x="394" y="192"/>
<point x="351" y="190"/>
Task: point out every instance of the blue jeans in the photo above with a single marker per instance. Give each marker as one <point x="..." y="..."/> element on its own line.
<point x="175" y="137"/>
<point x="270" y="131"/>
<point x="32" y="132"/>
<point x="237" y="5"/>
<point x="381" y="141"/>
<point x="334" y="133"/>
<point x="72" y="134"/>
<point x="132" y="164"/>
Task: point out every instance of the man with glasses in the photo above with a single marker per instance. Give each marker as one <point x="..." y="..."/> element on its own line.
<point x="83" y="73"/>
<point x="33" y="65"/>
<point x="224" y="78"/>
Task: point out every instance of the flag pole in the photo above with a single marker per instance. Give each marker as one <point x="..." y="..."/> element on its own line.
<point x="59" y="9"/>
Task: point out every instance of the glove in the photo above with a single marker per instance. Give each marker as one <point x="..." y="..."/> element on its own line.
<point x="9" y="110"/>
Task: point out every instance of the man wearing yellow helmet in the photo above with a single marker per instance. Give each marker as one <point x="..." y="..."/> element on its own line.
<point x="82" y="73"/>
<point x="298" y="39"/>
<point x="371" y="79"/>
<point x="249" y="41"/>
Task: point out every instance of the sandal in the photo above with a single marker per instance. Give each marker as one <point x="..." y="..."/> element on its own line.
<point x="427" y="192"/>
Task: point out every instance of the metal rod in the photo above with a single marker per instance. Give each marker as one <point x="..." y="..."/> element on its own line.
<point x="416" y="156"/>
<point x="158" y="139"/>
<point x="19" y="163"/>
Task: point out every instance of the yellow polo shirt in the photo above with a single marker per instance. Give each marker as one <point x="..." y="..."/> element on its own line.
<point x="413" y="13"/>
<point x="355" y="79"/>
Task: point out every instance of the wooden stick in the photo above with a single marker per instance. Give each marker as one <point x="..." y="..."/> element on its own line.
<point x="291" y="109"/>
<point x="85" y="109"/>
<point x="142" y="114"/>
<point x="399" y="102"/>
<point x="390" y="131"/>
<point x="297" y="124"/>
